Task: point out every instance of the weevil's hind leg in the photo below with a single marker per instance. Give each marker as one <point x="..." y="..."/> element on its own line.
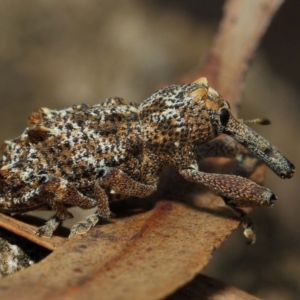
<point x="249" y="229"/>
<point x="119" y="183"/>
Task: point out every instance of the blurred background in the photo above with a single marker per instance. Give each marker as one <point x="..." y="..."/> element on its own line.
<point x="59" y="53"/>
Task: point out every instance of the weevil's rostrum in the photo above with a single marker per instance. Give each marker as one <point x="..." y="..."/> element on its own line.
<point x="87" y="156"/>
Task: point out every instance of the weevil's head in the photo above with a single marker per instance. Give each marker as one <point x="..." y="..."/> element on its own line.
<point x="185" y="116"/>
<point x="223" y="122"/>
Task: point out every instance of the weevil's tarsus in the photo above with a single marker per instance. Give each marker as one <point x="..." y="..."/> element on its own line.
<point x="247" y="224"/>
<point x="85" y="225"/>
<point x="250" y="235"/>
<point x="48" y="229"/>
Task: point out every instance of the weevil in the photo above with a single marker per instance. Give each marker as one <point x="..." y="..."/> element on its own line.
<point x="87" y="156"/>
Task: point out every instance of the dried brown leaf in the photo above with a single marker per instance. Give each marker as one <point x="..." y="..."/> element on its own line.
<point x="156" y="245"/>
<point x="139" y="255"/>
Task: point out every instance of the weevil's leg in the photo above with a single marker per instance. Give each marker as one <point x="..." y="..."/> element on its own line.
<point x="51" y="225"/>
<point x="103" y="212"/>
<point x="241" y="191"/>
<point x="228" y="147"/>
<point x="237" y="192"/>
<point x="249" y="230"/>
<point x="119" y="183"/>
<point x="59" y="191"/>
<point x="56" y="192"/>
<point x="224" y="146"/>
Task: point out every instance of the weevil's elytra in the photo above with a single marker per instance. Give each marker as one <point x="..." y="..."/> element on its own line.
<point x="87" y="156"/>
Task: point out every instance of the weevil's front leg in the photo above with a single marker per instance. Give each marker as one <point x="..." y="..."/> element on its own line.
<point x="237" y="192"/>
<point x="226" y="146"/>
<point x="119" y="183"/>
<point x="241" y="191"/>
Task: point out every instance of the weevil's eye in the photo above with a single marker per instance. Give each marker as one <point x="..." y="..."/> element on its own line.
<point x="224" y="116"/>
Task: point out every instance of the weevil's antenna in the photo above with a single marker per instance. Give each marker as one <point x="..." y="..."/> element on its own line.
<point x="260" y="121"/>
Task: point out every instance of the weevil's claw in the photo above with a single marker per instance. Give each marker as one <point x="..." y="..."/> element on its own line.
<point x="250" y="236"/>
<point x="249" y="231"/>
<point x="272" y="199"/>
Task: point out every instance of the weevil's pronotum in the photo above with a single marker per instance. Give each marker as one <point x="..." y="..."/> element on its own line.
<point x="86" y="156"/>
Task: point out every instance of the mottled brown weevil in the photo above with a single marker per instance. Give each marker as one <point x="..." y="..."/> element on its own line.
<point x="86" y="156"/>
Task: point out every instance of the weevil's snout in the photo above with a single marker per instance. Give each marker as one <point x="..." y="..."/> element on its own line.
<point x="289" y="173"/>
<point x="258" y="146"/>
<point x="282" y="166"/>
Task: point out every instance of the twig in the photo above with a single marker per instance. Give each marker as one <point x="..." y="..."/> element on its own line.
<point x="28" y="231"/>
